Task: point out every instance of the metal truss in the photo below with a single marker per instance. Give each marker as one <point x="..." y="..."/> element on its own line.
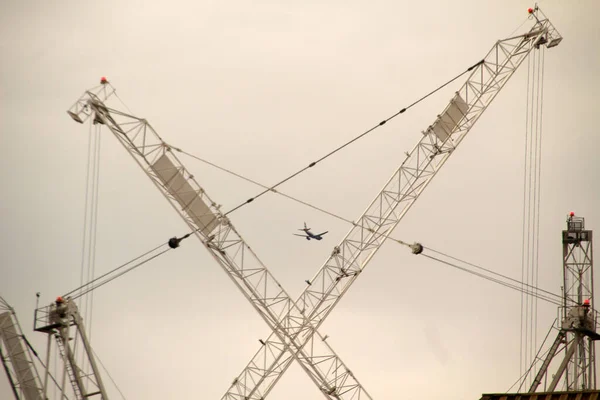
<point x="62" y="321"/>
<point x="15" y="354"/>
<point x="294" y="324"/>
<point x="221" y="239"/>
<point x="351" y="256"/>
<point x="578" y="329"/>
<point x="578" y="273"/>
<point x="577" y="368"/>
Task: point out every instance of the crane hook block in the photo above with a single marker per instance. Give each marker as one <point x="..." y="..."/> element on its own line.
<point x="416" y="248"/>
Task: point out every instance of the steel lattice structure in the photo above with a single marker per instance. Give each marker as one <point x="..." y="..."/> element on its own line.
<point x="15" y="355"/>
<point x="62" y="321"/>
<point x="351" y="256"/>
<point x="578" y="272"/>
<point x="294" y="323"/>
<point x="208" y="223"/>
<point x="578" y="329"/>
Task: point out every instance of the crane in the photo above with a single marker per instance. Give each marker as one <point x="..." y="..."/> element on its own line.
<point x="62" y="321"/>
<point x="577" y="331"/>
<point x="207" y="222"/>
<point x="439" y="140"/>
<point x="294" y="324"/>
<point x="15" y="354"/>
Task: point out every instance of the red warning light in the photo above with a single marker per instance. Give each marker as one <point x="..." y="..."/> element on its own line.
<point x="586" y="302"/>
<point x="572" y="214"/>
<point x="103" y="80"/>
<point x="59" y="299"/>
<point x="530" y="10"/>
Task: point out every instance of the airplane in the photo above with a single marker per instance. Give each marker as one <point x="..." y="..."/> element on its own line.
<point x="309" y="235"/>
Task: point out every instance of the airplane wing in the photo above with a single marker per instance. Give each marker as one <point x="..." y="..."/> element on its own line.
<point x="297" y="234"/>
<point x="321" y="234"/>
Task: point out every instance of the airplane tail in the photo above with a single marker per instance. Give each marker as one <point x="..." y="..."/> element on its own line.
<point x="305" y="229"/>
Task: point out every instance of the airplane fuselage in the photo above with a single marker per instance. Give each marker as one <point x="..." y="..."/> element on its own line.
<point x="310" y="235"/>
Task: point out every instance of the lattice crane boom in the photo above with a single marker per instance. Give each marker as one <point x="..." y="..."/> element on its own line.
<point x="294" y="323"/>
<point x="212" y="227"/>
<point x="440" y="139"/>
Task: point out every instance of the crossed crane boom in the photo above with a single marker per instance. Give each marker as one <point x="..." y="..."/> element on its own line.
<point x="294" y="324"/>
<point x="213" y="228"/>
<point x="384" y="213"/>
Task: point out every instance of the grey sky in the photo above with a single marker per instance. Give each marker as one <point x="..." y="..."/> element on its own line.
<point x="263" y="88"/>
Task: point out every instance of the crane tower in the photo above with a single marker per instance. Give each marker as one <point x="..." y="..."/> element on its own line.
<point x="577" y="331"/>
<point x="579" y="320"/>
<point x="62" y="321"/>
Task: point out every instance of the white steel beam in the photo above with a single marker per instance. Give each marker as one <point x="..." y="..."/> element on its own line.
<point x="16" y="358"/>
<point x="221" y="239"/>
<point x="352" y="255"/>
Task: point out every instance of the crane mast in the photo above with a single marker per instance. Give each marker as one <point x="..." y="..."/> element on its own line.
<point x="62" y="321"/>
<point x="577" y="332"/>
<point x="15" y="354"/>
<point x="294" y="324"/>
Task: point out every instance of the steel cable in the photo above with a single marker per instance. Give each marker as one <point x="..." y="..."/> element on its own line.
<point x="526" y="288"/>
<point x="110" y="272"/>
<point x="383" y="122"/>
<point x="88" y="290"/>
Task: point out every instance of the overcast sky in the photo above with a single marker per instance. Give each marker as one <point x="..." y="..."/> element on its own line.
<point x="263" y="88"/>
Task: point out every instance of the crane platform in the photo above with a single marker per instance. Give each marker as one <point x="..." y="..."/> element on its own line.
<point x="572" y="395"/>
